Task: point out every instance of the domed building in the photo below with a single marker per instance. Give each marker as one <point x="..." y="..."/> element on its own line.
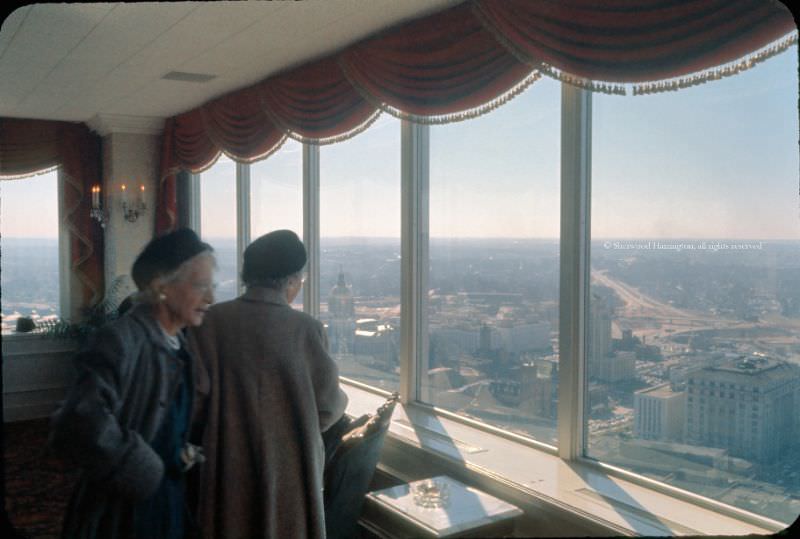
<point x="340" y="300"/>
<point x="341" y="322"/>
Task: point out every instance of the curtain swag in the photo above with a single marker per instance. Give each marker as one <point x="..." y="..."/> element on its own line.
<point x="468" y="60"/>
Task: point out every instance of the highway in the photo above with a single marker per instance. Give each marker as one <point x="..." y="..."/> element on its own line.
<point x="652" y="317"/>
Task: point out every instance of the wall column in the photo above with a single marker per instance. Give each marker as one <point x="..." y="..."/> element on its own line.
<point x="131" y="154"/>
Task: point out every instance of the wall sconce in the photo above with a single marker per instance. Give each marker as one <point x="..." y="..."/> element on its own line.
<point x="97" y="212"/>
<point x="133" y="211"/>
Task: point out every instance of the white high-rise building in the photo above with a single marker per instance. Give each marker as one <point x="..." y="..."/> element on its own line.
<point x="659" y="413"/>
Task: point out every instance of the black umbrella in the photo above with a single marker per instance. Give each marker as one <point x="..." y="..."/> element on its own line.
<point x="352" y="450"/>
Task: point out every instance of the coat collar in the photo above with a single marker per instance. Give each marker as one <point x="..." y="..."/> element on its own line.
<point x="264" y="295"/>
<point x="143" y="315"/>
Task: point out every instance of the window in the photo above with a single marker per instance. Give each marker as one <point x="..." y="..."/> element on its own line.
<point x="30" y="249"/>
<point x="276" y="191"/>
<point x="360" y="253"/>
<point x="276" y="194"/>
<point x="693" y="271"/>
<point x="218" y="224"/>
<point x="694" y="260"/>
<point x="494" y="263"/>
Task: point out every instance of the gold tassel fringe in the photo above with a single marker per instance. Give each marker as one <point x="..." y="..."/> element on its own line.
<point x="366" y="124"/>
<point x="716" y="73"/>
<point x="48" y="170"/>
<point x="580" y="82"/>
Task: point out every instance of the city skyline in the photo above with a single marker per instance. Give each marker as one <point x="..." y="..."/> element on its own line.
<point x="658" y="321"/>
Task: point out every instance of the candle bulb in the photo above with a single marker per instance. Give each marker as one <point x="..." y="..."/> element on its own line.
<point x="95" y="196"/>
<point x="141" y="195"/>
<point x="124" y="195"/>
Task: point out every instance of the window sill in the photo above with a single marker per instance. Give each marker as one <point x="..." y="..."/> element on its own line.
<point x="31" y="343"/>
<point x="535" y="479"/>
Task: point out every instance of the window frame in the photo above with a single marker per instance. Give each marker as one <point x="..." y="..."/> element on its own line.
<point x="65" y="293"/>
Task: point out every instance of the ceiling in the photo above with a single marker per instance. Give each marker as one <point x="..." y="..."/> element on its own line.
<point x="81" y="61"/>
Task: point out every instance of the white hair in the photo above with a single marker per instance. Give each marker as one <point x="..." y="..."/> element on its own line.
<point x="280" y="284"/>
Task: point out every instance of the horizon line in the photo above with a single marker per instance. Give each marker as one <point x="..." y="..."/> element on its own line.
<point x="212" y="239"/>
<point x="508" y="238"/>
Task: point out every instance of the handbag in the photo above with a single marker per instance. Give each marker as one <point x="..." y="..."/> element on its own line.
<point x="352" y="451"/>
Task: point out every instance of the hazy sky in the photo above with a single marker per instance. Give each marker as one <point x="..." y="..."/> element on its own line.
<point x="718" y="161"/>
<point x="29" y="207"/>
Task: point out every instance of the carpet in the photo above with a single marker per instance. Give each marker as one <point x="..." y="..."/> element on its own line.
<point x="38" y="485"/>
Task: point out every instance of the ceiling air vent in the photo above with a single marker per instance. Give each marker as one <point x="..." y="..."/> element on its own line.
<point x="188" y="77"/>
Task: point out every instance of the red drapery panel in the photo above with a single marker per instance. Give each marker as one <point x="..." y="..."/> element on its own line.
<point x="29" y="146"/>
<point x="440" y="65"/>
<point x="166" y="196"/>
<point x="185" y="145"/>
<point x="634" y="40"/>
<point x="192" y="146"/>
<point x="315" y="102"/>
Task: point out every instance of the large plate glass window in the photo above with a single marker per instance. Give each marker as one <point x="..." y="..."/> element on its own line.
<point x="494" y="262"/>
<point x="360" y="253"/>
<point x="276" y="194"/>
<point x="694" y="318"/>
<point x="218" y="222"/>
<point x="29" y="245"/>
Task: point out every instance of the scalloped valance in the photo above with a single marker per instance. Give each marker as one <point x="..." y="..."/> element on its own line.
<point x="469" y="59"/>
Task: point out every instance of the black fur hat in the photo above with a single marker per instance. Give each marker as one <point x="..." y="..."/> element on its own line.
<point x="273" y="256"/>
<point x="165" y="254"/>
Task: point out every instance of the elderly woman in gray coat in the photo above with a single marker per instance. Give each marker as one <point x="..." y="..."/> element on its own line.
<point x="125" y="420"/>
<point x="269" y="390"/>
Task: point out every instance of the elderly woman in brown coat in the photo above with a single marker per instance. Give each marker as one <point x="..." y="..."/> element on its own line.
<point x="267" y="390"/>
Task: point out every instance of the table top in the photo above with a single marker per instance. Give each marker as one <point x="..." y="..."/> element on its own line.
<point x="443" y="505"/>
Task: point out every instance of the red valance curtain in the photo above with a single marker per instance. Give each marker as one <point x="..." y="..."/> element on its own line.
<point x="28" y="147"/>
<point x="434" y="69"/>
<point x="638" y="41"/>
<point x="469" y="59"/>
<point x="315" y="103"/>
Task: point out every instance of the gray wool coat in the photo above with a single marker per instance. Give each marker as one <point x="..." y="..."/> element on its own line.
<point x="108" y="419"/>
<point x="266" y="390"/>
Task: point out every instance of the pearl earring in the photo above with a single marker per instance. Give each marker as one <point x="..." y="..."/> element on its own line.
<point x="162" y="296"/>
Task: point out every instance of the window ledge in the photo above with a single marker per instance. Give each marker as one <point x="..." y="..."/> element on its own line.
<point x="34" y="343"/>
<point x="533" y="478"/>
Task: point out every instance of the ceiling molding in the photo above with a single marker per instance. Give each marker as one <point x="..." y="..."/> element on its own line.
<point x="106" y="124"/>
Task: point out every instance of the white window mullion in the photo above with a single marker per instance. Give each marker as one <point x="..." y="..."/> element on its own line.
<point x="576" y="132"/>
<point x="242" y="218"/>
<point x="194" y="203"/>
<point x="65" y="290"/>
<point x="415" y="165"/>
<point x="311" y="227"/>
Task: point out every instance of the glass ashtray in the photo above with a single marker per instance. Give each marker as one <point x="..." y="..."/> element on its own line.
<point x="431" y="493"/>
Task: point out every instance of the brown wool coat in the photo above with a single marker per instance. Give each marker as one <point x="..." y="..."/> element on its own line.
<point x="266" y="389"/>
